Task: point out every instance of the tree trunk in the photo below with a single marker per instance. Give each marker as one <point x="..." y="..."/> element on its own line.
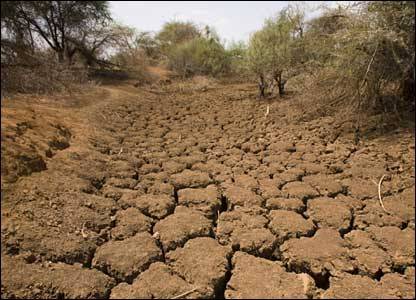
<point x="61" y="57"/>
<point x="280" y="83"/>
<point x="70" y="54"/>
<point x="262" y="87"/>
<point x="408" y="86"/>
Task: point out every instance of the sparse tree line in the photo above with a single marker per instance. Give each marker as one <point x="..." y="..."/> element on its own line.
<point x="361" y="55"/>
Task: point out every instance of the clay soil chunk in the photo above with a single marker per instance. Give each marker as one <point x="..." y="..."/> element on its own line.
<point x="360" y="189"/>
<point x="292" y="204"/>
<point x="155" y="206"/>
<point x="190" y="179"/>
<point x="288" y="224"/>
<point x="402" y="205"/>
<point x="246" y="181"/>
<point x="181" y="226"/>
<point x="157" y="282"/>
<point x="328" y="212"/>
<point x="125" y="259"/>
<point x="172" y="167"/>
<point x="129" y="222"/>
<point x="369" y="258"/>
<point x="123" y="183"/>
<point x="373" y="214"/>
<point x="202" y="262"/>
<point x="258" y="241"/>
<point x="269" y="188"/>
<point x="281" y="146"/>
<point x="325" y="185"/>
<point x="238" y="196"/>
<point x="399" y="285"/>
<point x="22" y="280"/>
<point x="205" y="200"/>
<point x="300" y="190"/>
<point x="325" y="252"/>
<point x="245" y="231"/>
<point x="356" y="287"/>
<point x="399" y="244"/>
<point x="294" y="174"/>
<point x="312" y="168"/>
<point x="258" y="278"/>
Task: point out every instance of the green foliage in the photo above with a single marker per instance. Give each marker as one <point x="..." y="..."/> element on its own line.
<point x="199" y="56"/>
<point x="237" y="52"/>
<point x="274" y="50"/>
<point x="175" y="33"/>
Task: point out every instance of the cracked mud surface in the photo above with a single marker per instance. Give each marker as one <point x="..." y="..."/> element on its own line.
<point x="136" y="194"/>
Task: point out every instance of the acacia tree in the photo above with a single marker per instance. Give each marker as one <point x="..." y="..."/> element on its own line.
<point x="271" y="50"/>
<point x="127" y="46"/>
<point x="259" y="61"/>
<point x="56" y="22"/>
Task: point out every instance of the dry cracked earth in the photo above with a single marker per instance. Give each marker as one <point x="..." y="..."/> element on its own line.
<point x="176" y="193"/>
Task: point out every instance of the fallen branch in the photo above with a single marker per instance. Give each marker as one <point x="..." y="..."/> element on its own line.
<point x="185" y="294"/>
<point x="379" y="194"/>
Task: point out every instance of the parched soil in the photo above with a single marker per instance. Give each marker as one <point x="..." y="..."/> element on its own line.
<point x="170" y="191"/>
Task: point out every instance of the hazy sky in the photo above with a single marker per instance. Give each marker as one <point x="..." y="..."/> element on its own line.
<point x="233" y="20"/>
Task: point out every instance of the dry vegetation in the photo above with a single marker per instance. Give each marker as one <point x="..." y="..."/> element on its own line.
<point x="357" y="58"/>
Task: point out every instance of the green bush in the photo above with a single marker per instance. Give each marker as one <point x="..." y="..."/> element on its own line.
<point x="175" y="33"/>
<point x="237" y="52"/>
<point x="199" y="56"/>
<point x="275" y="51"/>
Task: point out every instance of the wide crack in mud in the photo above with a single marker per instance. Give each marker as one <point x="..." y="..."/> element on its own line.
<point x="192" y="194"/>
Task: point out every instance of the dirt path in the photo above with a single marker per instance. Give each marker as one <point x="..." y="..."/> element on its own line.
<point x="172" y="192"/>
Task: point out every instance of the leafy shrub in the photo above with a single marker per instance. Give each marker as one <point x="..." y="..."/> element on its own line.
<point x="273" y="51"/>
<point x="175" y="33"/>
<point x="238" y="67"/>
<point x="200" y="56"/>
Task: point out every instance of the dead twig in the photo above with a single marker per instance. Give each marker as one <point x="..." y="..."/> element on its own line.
<point x="267" y="111"/>
<point x="379" y="193"/>
<point x="185" y="294"/>
<point x="121" y="150"/>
